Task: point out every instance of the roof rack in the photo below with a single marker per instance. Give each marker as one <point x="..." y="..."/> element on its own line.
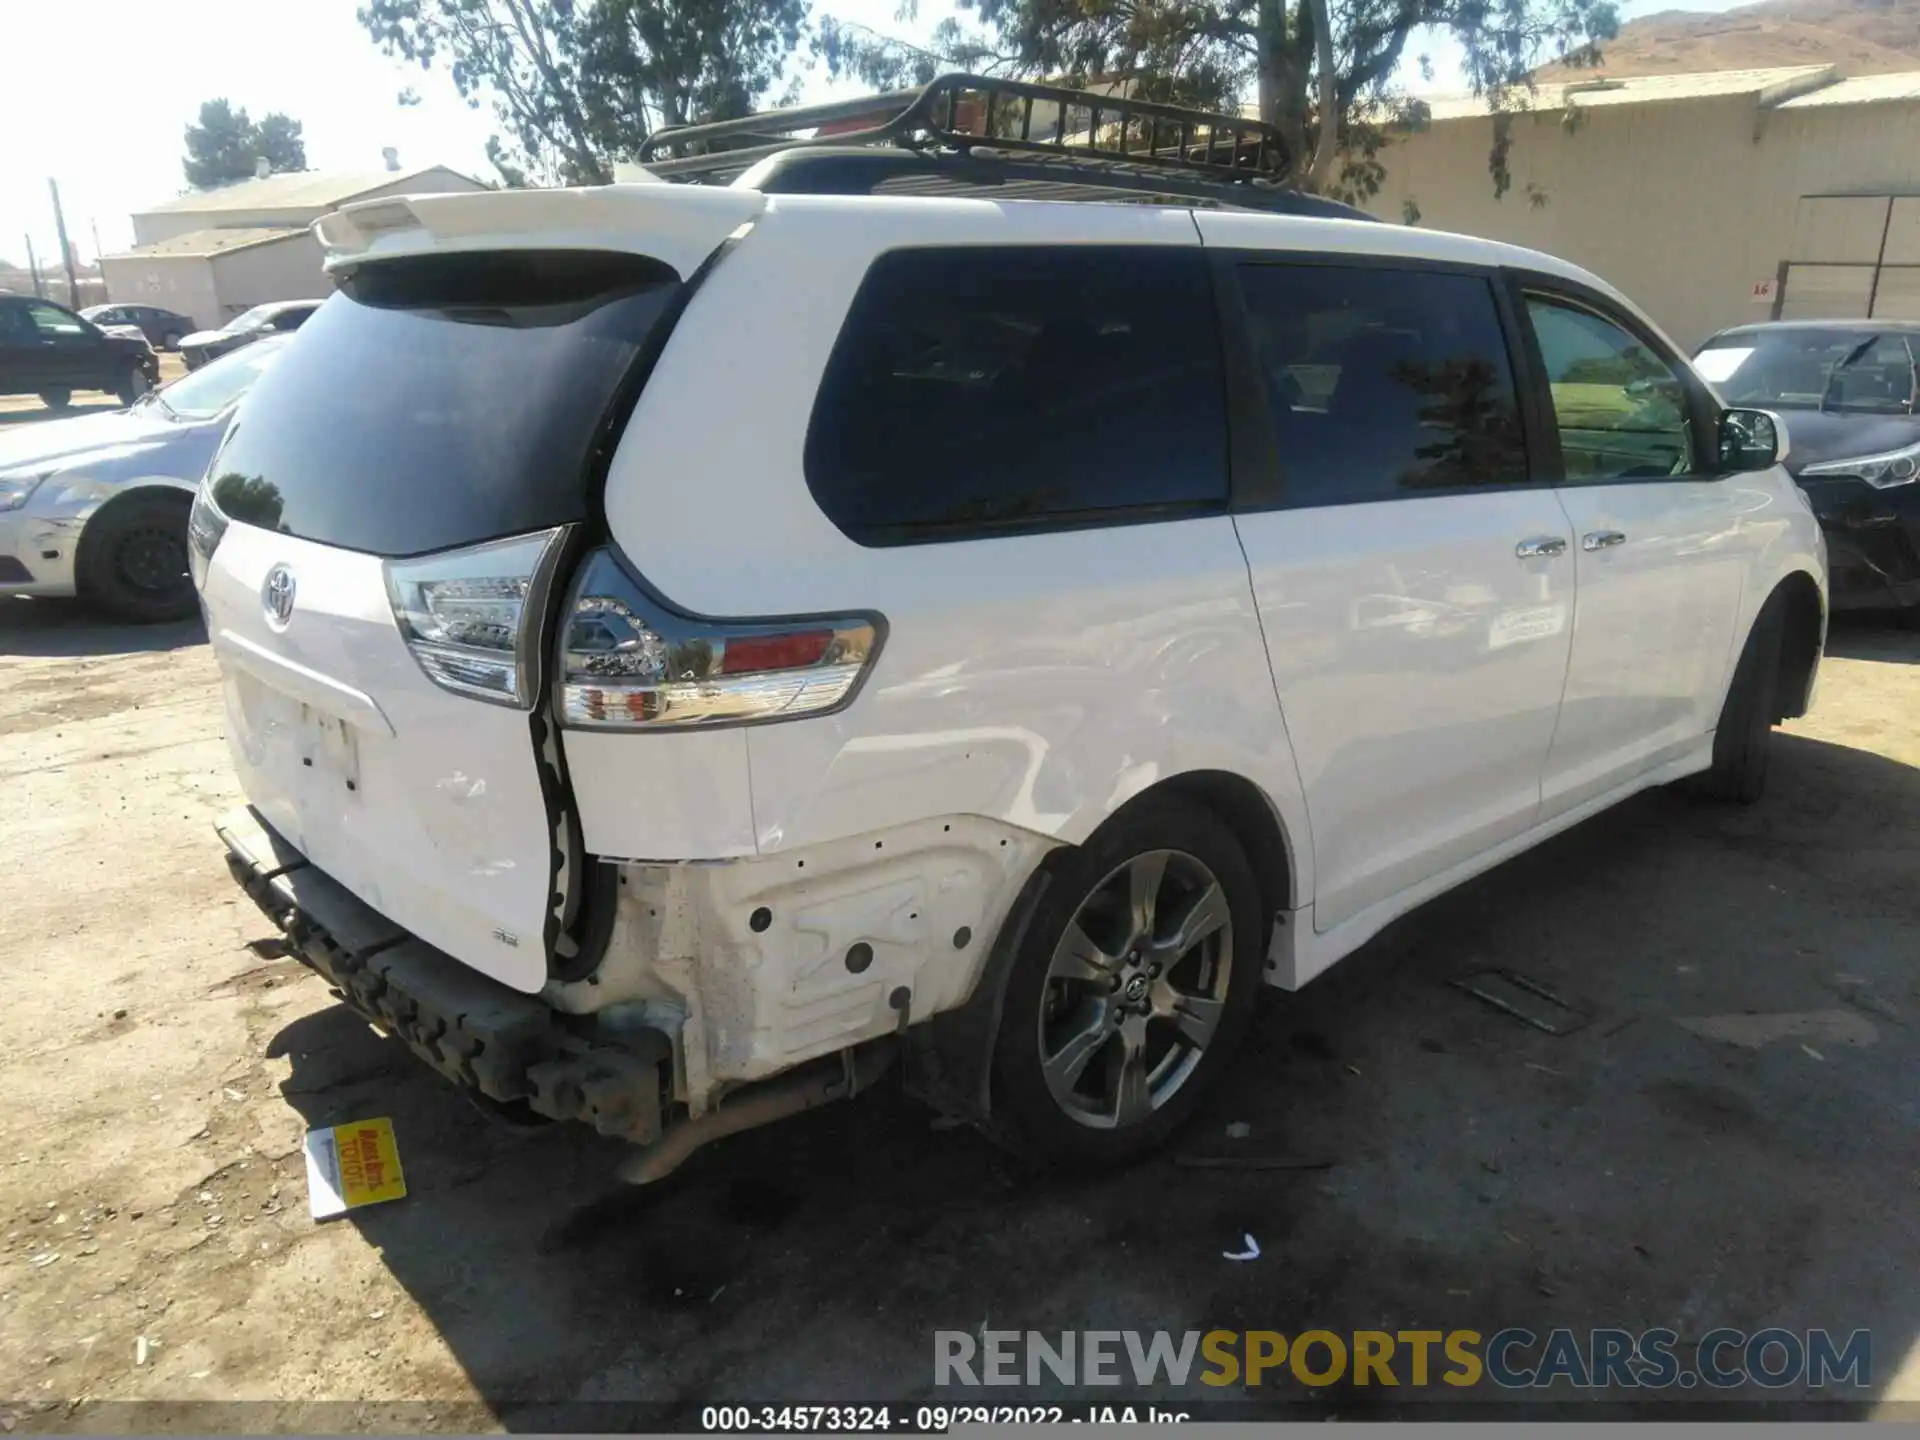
<point x="962" y="133"/>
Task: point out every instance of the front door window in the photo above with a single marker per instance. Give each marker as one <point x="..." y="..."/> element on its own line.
<point x="53" y="323"/>
<point x="1621" y="409"/>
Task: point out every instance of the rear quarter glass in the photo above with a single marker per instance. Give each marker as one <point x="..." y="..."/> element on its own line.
<point x="441" y="401"/>
<point x="981" y="390"/>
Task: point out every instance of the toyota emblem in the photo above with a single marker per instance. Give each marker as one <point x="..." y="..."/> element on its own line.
<point x="276" y="596"/>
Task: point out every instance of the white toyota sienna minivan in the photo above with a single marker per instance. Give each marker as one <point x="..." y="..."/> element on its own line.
<point x="689" y="648"/>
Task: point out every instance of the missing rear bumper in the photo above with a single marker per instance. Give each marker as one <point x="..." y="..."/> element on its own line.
<point x="508" y="1047"/>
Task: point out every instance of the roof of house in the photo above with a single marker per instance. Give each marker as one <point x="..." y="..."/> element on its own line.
<point x="295" y="190"/>
<point x="213" y="242"/>
<point x="1864" y="90"/>
<point x="1769" y="87"/>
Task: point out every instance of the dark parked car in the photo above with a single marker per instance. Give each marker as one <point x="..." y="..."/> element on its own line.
<point x="47" y="350"/>
<point x="277" y="317"/>
<point x="1849" y="392"/>
<point x="97" y="505"/>
<point x="163" y="328"/>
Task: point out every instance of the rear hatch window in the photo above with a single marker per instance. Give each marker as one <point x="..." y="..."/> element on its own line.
<point x="440" y="401"/>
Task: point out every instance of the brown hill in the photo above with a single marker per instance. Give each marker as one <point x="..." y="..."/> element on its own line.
<point x="1862" y="37"/>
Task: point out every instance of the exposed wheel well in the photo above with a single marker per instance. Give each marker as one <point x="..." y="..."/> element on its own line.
<point x="954" y="1050"/>
<point x="1238" y="802"/>
<point x="1802" y="619"/>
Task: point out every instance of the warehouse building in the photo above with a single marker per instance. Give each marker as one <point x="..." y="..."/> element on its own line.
<point x="214" y="253"/>
<point x="1712" y="199"/>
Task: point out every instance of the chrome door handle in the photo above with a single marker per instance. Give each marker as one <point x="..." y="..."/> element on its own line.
<point x="1601" y="539"/>
<point x="1540" y="545"/>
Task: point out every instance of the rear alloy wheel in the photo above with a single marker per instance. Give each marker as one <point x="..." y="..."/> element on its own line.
<point x="133" y="561"/>
<point x="56" y="399"/>
<point x="1132" y="991"/>
<point x="133" y="385"/>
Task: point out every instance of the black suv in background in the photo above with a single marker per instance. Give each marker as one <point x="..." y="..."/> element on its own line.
<point x="47" y="350"/>
<point x="164" y="329"/>
<point x="1850" y="392"/>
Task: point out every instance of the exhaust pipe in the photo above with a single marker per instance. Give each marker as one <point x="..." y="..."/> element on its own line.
<point x="846" y="1076"/>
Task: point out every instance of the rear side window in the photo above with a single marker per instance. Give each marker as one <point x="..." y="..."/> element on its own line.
<point x="1383" y="383"/>
<point x="446" y="400"/>
<point x="979" y="391"/>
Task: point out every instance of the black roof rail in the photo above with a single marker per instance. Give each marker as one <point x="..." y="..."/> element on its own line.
<point x="840" y="170"/>
<point x="962" y="133"/>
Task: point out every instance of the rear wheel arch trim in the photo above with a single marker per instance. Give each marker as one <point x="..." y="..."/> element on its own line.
<point x="1256" y="822"/>
<point x="952" y="1059"/>
<point x="1268" y="814"/>
<point x="1250" y="813"/>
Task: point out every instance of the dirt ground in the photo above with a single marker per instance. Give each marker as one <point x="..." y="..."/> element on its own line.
<point x="1730" y="1141"/>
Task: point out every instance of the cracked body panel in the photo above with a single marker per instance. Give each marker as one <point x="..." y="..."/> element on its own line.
<point x="754" y="966"/>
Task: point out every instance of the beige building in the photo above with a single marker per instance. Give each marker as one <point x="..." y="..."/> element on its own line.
<point x="1712" y="199"/>
<point x="214" y="253"/>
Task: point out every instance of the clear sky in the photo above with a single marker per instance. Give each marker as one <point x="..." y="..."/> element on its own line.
<point x="108" y="123"/>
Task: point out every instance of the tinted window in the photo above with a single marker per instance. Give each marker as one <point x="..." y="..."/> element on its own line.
<point x="1621" y="409"/>
<point x="1383" y="383"/>
<point x="201" y="394"/>
<point x="1807" y="367"/>
<point x="444" y="401"/>
<point x="251" y="319"/>
<point x="54" y="323"/>
<point x="976" y="391"/>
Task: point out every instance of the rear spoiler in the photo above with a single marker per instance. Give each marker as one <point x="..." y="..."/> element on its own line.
<point x="680" y="225"/>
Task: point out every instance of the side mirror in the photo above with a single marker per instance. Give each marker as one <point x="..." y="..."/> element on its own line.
<point x="1751" y="440"/>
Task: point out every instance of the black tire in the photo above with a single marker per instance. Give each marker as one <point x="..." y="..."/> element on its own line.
<point x="133" y="383"/>
<point x="1027" y="1112"/>
<point x="1742" y="741"/>
<point x="133" y="560"/>
<point x="171" y="340"/>
<point x="57" y="398"/>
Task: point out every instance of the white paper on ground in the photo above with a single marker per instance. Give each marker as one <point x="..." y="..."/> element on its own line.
<point x="351" y="1165"/>
<point x="324" y="1199"/>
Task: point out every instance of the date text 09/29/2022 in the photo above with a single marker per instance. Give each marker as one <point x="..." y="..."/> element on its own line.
<point x="920" y="1419"/>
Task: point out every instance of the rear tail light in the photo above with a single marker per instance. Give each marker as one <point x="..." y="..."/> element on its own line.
<point x="205" y="526"/>
<point x="629" y="662"/>
<point x="472" y="617"/>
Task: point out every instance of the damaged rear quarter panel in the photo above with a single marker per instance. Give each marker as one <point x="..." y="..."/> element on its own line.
<point x="926" y="899"/>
